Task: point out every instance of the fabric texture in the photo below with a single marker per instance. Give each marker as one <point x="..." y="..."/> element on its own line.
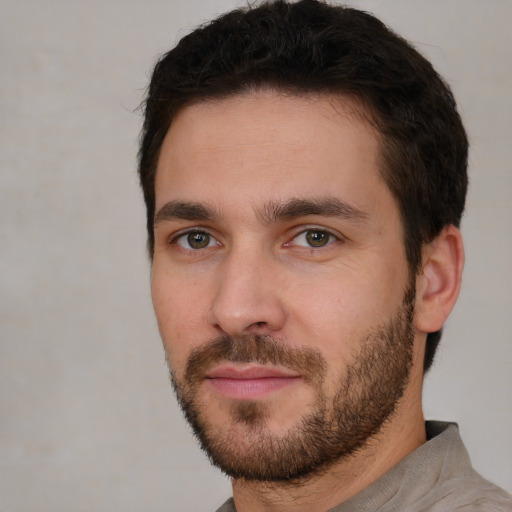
<point x="436" y="477"/>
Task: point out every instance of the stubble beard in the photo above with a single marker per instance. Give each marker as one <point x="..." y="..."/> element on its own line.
<point x="368" y="392"/>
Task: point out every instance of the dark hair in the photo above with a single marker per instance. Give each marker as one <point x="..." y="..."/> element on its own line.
<point x="312" y="47"/>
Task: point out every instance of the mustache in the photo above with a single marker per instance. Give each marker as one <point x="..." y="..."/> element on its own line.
<point x="254" y="348"/>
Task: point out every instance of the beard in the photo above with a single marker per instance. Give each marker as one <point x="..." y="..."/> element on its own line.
<point x="367" y="393"/>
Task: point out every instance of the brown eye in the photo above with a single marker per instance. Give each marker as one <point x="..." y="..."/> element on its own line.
<point x="195" y="240"/>
<point x="198" y="240"/>
<point x="316" y="238"/>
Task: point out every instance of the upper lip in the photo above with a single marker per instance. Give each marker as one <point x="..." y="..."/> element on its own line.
<point x="247" y="372"/>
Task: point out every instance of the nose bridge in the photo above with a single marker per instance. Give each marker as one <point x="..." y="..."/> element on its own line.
<point x="247" y="298"/>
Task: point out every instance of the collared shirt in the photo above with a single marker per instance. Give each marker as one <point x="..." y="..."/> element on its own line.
<point x="436" y="477"/>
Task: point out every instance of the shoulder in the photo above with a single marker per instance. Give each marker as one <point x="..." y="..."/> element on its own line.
<point x="470" y="493"/>
<point x="228" y="506"/>
<point x="458" y="487"/>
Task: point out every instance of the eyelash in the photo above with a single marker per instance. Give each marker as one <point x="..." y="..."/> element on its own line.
<point x="331" y="238"/>
<point x="212" y="241"/>
<point x="194" y="232"/>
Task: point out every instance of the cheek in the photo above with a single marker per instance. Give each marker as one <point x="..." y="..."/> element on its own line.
<point x="180" y="313"/>
<point x="336" y="314"/>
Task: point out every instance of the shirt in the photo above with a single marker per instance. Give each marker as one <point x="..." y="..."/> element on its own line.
<point x="436" y="477"/>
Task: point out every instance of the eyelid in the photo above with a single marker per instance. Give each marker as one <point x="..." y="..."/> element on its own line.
<point x="304" y="229"/>
<point x="175" y="237"/>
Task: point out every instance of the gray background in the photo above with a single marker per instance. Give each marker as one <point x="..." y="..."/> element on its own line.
<point x="88" y="422"/>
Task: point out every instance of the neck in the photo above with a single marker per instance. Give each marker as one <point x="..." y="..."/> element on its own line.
<point x="401" y="435"/>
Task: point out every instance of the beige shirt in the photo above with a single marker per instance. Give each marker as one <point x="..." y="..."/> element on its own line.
<point x="436" y="477"/>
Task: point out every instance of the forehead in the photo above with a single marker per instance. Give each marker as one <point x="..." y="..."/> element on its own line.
<point x="269" y="145"/>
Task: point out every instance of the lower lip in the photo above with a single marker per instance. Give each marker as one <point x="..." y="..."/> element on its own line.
<point x="250" y="389"/>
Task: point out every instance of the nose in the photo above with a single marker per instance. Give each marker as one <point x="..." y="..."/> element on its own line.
<point x="247" y="295"/>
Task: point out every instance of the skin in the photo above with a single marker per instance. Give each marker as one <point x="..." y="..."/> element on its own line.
<point x="259" y="275"/>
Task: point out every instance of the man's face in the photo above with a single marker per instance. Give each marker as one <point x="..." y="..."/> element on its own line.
<point x="279" y="281"/>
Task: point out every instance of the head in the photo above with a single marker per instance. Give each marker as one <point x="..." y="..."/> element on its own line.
<point x="312" y="47"/>
<point x="265" y="116"/>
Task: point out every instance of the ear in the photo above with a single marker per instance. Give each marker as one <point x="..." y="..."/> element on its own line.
<point x="438" y="284"/>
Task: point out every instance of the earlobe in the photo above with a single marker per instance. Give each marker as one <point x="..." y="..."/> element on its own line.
<point x="438" y="284"/>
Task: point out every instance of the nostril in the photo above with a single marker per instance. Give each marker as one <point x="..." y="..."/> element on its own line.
<point x="257" y="328"/>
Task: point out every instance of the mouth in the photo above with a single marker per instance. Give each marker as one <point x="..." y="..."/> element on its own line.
<point x="249" y="382"/>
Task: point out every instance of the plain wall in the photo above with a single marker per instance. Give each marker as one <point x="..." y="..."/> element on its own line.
<point x="87" y="418"/>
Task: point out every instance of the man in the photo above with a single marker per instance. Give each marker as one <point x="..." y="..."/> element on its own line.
<point x="304" y="172"/>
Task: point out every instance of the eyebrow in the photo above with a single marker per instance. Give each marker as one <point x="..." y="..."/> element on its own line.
<point x="275" y="211"/>
<point x="184" y="210"/>
<point x="271" y="213"/>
